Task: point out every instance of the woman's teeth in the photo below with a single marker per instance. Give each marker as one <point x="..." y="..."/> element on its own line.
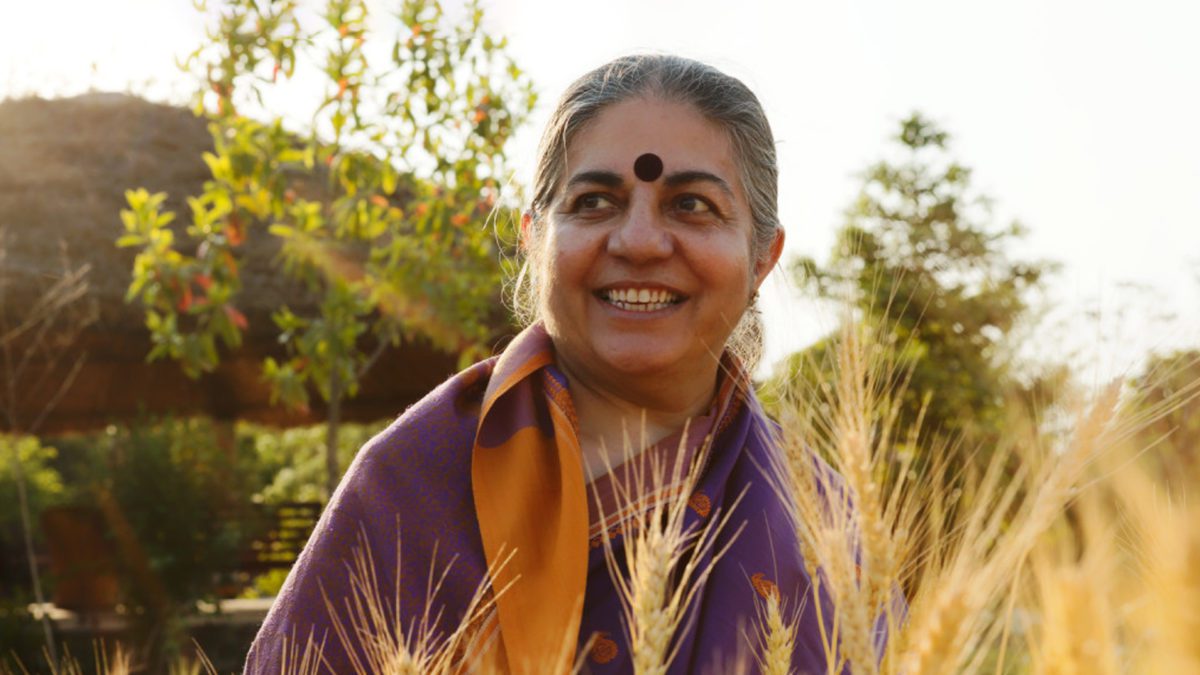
<point x="641" y="299"/>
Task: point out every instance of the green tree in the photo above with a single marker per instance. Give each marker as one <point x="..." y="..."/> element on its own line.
<point x="380" y="202"/>
<point x="920" y="257"/>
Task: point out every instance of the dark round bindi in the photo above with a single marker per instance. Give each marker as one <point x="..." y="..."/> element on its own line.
<point x="648" y="167"/>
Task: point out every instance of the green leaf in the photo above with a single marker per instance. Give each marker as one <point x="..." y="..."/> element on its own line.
<point x="388" y="179"/>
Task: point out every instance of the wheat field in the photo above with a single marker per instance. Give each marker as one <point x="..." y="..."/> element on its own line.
<point x="1065" y="552"/>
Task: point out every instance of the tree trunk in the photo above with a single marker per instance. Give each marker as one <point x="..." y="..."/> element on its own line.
<point x="332" y="422"/>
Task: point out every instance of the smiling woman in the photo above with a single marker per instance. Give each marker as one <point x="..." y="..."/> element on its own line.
<point x="645" y="279"/>
<point x="652" y="226"/>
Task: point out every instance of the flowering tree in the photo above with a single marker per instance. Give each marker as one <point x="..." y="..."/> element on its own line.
<point x="379" y="203"/>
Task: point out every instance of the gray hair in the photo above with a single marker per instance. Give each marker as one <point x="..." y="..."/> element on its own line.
<point x="721" y="98"/>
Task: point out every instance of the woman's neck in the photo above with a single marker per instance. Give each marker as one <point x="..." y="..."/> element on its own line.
<point x="615" y="426"/>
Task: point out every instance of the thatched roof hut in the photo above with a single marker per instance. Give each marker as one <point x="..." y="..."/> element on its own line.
<point x="64" y="167"/>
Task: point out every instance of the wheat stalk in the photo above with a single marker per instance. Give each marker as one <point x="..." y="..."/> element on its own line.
<point x="777" y="637"/>
<point x="1118" y="592"/>
<point x="663" y="558"/>
<point x="301" y="660"/>
<point x="373" y="622"/>
<point x="858" y="523"/>
<point x="1074" y="588"/>
<point x="854" y="519"/>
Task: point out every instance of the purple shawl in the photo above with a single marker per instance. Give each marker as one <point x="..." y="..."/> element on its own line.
<point x="414" y="481"/>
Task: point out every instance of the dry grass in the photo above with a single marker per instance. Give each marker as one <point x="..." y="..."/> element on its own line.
<point x="118" y="661"/>
<point x="370" y="620"/>
<point x="301" y="659"/>
<point x="875" y="527"/>
<point x="1117" y="585"/>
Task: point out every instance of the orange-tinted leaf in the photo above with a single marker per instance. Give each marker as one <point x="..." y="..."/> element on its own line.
<point x="186" y="300"/>
<point x="236" y="317"/>
<point x="234" y="233"/>
<point x="230" y="263"/>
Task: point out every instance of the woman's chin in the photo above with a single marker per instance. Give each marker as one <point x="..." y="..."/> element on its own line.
<point x="644" y="359"/>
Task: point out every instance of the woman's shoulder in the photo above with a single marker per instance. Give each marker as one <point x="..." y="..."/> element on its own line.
<point x="411" y="483"/>
<point x="458" y="397"/>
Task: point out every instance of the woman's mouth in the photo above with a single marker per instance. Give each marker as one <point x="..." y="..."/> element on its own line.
<point x="634" y="299"/>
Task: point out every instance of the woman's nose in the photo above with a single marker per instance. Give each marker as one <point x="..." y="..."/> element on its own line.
<point x="642" y="235"/>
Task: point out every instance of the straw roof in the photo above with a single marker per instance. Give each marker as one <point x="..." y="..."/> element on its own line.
<point x="64" y="167"/>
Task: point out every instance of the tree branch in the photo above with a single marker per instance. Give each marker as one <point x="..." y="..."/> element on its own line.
<point x="57" y="396"/>
<point x="380" y="348"/>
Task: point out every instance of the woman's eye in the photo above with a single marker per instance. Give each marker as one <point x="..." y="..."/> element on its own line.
<point x="593" y="202"/>
<point x="693" y="204"/>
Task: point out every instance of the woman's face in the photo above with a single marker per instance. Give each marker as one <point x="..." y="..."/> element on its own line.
<point x="641" y="276"/>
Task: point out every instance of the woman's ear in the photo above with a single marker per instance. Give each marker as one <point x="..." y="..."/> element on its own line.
<point x="766" y="263"/>
<point x="526" y="231"/>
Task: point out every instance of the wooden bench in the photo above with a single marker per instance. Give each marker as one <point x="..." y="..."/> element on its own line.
<point x="282" y="531"/>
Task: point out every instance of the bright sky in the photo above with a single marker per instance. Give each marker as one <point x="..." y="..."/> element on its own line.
<point x="1079" y="118"/>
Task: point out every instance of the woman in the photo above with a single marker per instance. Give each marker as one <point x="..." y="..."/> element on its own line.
<point x="652" y="226"/>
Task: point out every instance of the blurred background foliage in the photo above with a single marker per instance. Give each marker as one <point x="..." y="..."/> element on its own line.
<point x="178" y="503"/>
<point x="289" y="462"/>
<point x="44" y="482"/>
<point x="382" y="198"/>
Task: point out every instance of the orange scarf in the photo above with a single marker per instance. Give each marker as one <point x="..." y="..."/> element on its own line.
<point x="530" y="499"/>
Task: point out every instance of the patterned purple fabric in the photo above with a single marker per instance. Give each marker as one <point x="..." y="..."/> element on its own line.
<point x="414" y="481"/>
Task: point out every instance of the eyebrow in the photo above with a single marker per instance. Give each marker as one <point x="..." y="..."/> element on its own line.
<point x="611" y="179"/>
<point x="685" y="177"/>
<point x="608" y="179"/>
